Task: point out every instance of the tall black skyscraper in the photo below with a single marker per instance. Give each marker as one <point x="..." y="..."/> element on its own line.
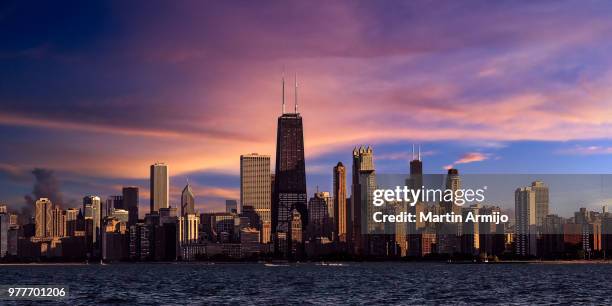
<point x="130" y="203"/>
<point x="290" y="180"/>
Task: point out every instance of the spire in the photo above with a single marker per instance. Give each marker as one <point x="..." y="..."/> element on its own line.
<point x="419" y="152"/>
<point x="283" y="111"/>
<point x="413" y="151"/>
<point x="296" y="88"/>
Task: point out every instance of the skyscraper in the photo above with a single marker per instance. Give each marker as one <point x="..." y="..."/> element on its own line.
<point x="525" y="228"/>
<point x="58" y="222"/>
<point x="187" y="201"/>
<point x="43" y="217"/>
<point x="541" y="201"/>
<point x="364" y="183"/>
<point x="4" y="232"/>
<point x="91" y="209"/>
<point x="189" y="220"/>
<point x="71" y="221"/>
<point x="255" y="185"/>
<point x="413" y="243"/>
<point x="112" y="203"/>
<point x="340" y="208"/>
<point x="289" y="180"/>
<point x="318" y="214"/>
<point x="160" y="185"/>
<point x="450" y="241"/>
<point x="130" y="203"/>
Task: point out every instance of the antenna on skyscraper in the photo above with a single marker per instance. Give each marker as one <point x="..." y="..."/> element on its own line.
<point x="283" y="92"/>
<point x="296" y="100"/>
<point x="419" y="152"/>
<point x="413" y="151"/>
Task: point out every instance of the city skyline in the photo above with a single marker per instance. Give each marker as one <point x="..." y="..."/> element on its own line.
<point x="118" y="86"/>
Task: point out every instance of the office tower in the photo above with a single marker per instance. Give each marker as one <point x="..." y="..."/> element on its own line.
<point x="364" y="183"/>
<point x="189" y="228"/>
<point x="470" y="239"/>
<point x="449" y="241"/>
<point x="112" y="202"/>
<point x="525" y="218"/>
<point x="318" y="215"/>
<point x="43" y="218"/>
<point x="187" y="201"/>
<point x="541" y="201"/>
<point x="416" y="170"/>
<point x="160" y="184"/>
<point x="115" y="239"/>
<point x="289" y="181"/>
<point x="3" y="209"/>
<point x="4" y="232"/>
<point x="340" y="208"/>
<point x="414" y="181"/>
<point x="140" y="241"/>
<point x="231" y="206"/>
<point x="58" y="222"/>
<point x="91" y="209"/>
<point x="130" y="203"/>
<point x="255" y="185"/>
<point x="72" y="215"/>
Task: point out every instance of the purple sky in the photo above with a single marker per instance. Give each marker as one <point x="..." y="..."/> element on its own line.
<point x="98" y="92"/>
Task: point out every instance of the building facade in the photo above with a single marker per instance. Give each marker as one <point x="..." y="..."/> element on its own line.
<point x="160" y="186"/>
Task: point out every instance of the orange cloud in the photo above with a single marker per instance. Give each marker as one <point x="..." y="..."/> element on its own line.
<point x="467" y="158"/>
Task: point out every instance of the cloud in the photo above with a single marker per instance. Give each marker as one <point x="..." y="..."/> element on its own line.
<point x="470" y="157"/>
<point x="587" y="150"/>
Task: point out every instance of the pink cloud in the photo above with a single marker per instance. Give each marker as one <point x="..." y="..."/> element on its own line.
<point x="467" y="158"/>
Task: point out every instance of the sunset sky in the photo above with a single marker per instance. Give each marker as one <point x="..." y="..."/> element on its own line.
<point x="96" y="92"/>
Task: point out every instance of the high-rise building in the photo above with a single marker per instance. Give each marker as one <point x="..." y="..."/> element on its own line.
<point x="318" y="214"/>
<point x="231" y="206"/>
<point x="470" y="239"/>
<point x="4" y="233"/>
<point x="72" y="215"/>
<point x="189" y="224"/>
<point x="130" y="203"/>
<point x="187" y="201"/>
<point x="255" y="187"/>
<point x="364" y="183"/>
<point x="341" y="216"/>
<point x="525" y="228"/>
<point x="112" y="202"/>
<point x="449" y="241"/>
<point x="43" y="218"/>
<point x="415" y="181"/>
<point x="541" y="201"/>
<point x="91" y="209"/>
<point x="58" y="222"/>
<point x="289" y="180"/>
<point x="160" y="186"/>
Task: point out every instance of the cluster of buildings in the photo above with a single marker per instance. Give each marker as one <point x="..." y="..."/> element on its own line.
<point x="275" y="218"/>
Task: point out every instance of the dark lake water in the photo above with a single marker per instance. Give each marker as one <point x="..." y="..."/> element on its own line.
<point x="353" y="283"/>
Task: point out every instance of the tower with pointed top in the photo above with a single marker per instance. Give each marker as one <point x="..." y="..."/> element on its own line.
<point x="187" y="200"/>
<point x="289" y="196"/>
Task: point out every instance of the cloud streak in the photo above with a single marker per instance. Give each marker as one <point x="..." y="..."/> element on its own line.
<point x="467" y="158"/>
